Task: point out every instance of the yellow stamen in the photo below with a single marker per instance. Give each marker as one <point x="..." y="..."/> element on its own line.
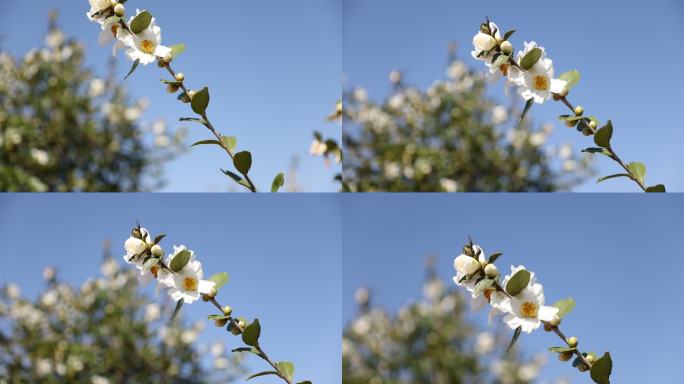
<point x="541" y="83"/>
<point x="147" y="46"/>
<point x="115" y="29"/>
<point x="504" y="69"/>
<point x="488" y="293"/>
<point x="190" y="283"/>
<point x="154" y="270"/>
<point x="529" y="309"/>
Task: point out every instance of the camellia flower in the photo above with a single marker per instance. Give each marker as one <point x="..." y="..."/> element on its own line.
<point x="146" y="45"/>
<point x="484" y="42"/>
<point x="135" y="247"/>
<point x="97" y="6"/>
<point x="186" y="284"/>
<point x="537" y="82"/>
<point x="526" y="309"/>
<point x="467" y="265"/>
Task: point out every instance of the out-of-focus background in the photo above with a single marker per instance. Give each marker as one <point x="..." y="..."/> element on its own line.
<point x="283" y="255"/>
<point x="624" y="52"/>
<point x="273" y="70"/>
<point x="615" y="254"/>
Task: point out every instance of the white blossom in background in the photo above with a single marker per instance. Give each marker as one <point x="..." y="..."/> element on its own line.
<point x="41" y="157"/>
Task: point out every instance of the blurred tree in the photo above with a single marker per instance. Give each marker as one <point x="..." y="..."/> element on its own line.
<point x="62" y="129"/>
<point x="450" y="137"/>
<point x="428" y="342"/>
<point x="103" y="332"/>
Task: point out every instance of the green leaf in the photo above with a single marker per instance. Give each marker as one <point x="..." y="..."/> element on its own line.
<point x="562" y="349"/>
<point x="133" y="67"/>
<point x="246" y="349"/>
<point x="179" y="304"/>
<point x="218" y="317"/>
<point x="493" y="257"/>
<point x="638" y="170"/>
<point x="264" y="373"/>
<point x="180" y="260"/>
<point x="251" y="334"/>
<point x="601" y="369"/>
<point x="613" y="177"/>
<point x="159" y="238"/>
<point x="565" y="306"/>
<point x="531" y="58"/>
<point x="572" y="77"/>
<point x="220" y="279"/>
<point x="518" y="282"/>
<point x="516" y="334"/>
<point x="305" y="382"/>
<point x="656" y="188"/>
<point x="508" y="34"/>
<point x="232" y="175"/>
<point x="243" y="162"/>
<point x="482" y="285"/>
<point x="278" y="182"/>
<point x="603" y="135"/>
<point x="528" y="105"/>
<point x="229" y="141"/>
<point x="141" y="22"/>
<point x="177" y="49"/>
<point x="286" y="369"/>
<point x="200" y="102"/>
<point x="596" y="150"/>
<point x="192" y="119"/>
<point x="204" y="142"/>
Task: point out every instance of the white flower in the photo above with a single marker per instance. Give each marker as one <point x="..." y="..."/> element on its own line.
<point x="318" y="148"/>
<point x="186" y="284"/>
<point x="97" y="6"/>
<point x="467" y="265"/>
<point x="484" y="42"/>
<point x="41" y="157"/>
<point x="537" y="82"/>
<point x="526" y="309"/>
<point x="135" y="246"/>
<point x="146" y="45"/>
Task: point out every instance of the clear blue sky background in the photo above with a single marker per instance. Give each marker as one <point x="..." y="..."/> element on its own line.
<point x="626" y="51"/>
<point x="618" y="255"/>
<point x="273" y="69"/>
<point x="283" y="254"/>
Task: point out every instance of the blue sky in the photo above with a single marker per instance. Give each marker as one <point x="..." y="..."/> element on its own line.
<point x="614" y="45"/>
<point x="618" y="255"/>
<point x="273" y="69"/>
<point x="283" y="254"/>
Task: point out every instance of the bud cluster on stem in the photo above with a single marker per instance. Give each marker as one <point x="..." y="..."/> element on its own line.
<point x="532" y="72"/>
<point x="181" y="275"/>
<point x="520" y="299"/>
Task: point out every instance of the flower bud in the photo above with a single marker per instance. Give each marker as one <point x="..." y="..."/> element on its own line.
<point x="590" y="359"/>
<point x="172" y="88"/>
<point x="157" y="250"/>
<point x="579" y="110"/>
<point x="180" y="77"/>
<point x="192" y="94"/>
<point x="227" y="310"/>
<point x="506" y="48"/>
<point x="565" y="356"/>
<point x="168" y="58"/>
<point x="572" y="342"/>
<point x="134" y="246"/>
<point x="582" y="367"/>
<point x="212" y="293"/>
<point x="205" y="298"/>
<point x="592" y="124"/>
<point x="483" y="42"/>
<point x="119" y="10"/>
<point x="491" y="271"/>
<point x="242" y="324"/>
<point x="570" y="123"/>
<point x="220" y="322"/>
<point x="466" y="265"/>
<point x="547" y="327"/>
<point x="564" y="92"/>
<point x="234" y="331"/>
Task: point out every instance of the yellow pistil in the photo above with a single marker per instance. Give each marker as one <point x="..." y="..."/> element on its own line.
<point x="541" y="83"/>
<point x="115" y="29"/>
<point x="529" y="309"/>
<point x="488" y="293"/>
<point x="190" y="283"/>
<point x="147" y="46"/>
<point x="154" y="270"/>
<point x="504" y="69"/>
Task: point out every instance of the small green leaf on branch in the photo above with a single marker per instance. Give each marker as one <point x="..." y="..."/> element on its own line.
<point x="286" y="369"/>
<point x="243" y="162"/>
<point x="531" y="58"/>
<point x="264" y="373"/>
<point x="133" y="67"/>
<point x="571" y="77"/>
<point x="516" y="334"/>
<point x="603" y="135"/>
<point x="251" y="334"/>
<point x="180" y="260"/>
<point x="230" y="142"/>
<point x="220" y="279"/>
<point x="205" y="142"/>
<point x="656" y="188"/>
<point x="518" y="282"/>
<point x="141" y="22"/>
<point x="638" y="170"/>
<point x="601" y="369"/>
<point x="179" y="304"/>
<point x="493" y="257"/>
<point x="528" y="105"/>
<point x="200" y="101"/>
<point x="613" y="177"/>
<point x="564" y="306"/>
<point x="278" y="182"/>
<point x="562" y="349"/>
<point x="177" y="49"/>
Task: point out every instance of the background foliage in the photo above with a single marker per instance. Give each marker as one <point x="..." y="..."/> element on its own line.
<point x="62" y="128"/>
<point x="102" y="332"/>
<point x="429" y="341"/>
<point x="450" y="137"/>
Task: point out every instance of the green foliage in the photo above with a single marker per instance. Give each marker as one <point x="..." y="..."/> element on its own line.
<point x="64" y="129"/>
<point x="200" y="101"/>
<point x="450" y="137"/>
<point x="427" y="341"/>
<point x="531" y="58"/>
<point x="518" y="282"/>
<point x="564" y="306"/>
<point x="601" y="369"/>
<point x="103" y="331"/>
